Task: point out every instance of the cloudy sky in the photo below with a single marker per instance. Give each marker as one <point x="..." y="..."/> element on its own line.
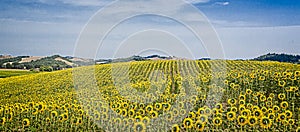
<point x="246" y="28"/>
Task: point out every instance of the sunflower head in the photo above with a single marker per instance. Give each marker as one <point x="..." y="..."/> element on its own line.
<point x="217" y="121"/>
<point x="188" y="123"/>
<point x="242" y="120"/>
<point x="26" y="122"/>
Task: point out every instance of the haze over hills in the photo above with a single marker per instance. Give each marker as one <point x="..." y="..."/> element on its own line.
<point x="57" y="62"/>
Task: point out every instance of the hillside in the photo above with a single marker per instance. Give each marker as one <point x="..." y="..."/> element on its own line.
<point x="50" y="63"/>
<point x="279" y="58"/>
<point x="154" y="95"/>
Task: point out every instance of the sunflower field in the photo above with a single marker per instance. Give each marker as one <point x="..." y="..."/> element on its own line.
<point x="161" y="95"/>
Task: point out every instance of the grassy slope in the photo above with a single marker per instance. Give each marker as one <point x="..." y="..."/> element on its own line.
<point x="10" y="73"/>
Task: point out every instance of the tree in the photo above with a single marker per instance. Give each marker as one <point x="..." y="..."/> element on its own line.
<point x="8" y="66"/>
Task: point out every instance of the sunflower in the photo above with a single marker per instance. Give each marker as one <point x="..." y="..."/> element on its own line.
<point x="242" y="102"/>
<point x="97" y="115"/>
<point x="138" y="118"/>
<point x="65" y="116"/>
<point x="2" y="120"/>
<point x="231" y="102"/>
<point x="199" y="125"/>
<point x="252" y="120"/>
<point x="157" y="106"/>
<point x="47" y="120"/>
<point x="248" y="91"/>
<point x="249" y="106"/>
<point x="284" y="104"/>
<point x="246" y="112"/>
<point x="219" y="106"/>
<point x="276" y="108"/>
<point x="146" y="120"/>
<point x="188" y="123"/>
<point x="192" y="115"/>
<point x="149" y="108"/>
<point x="291" y="122"/>
<point x="35" y="111"/>
<point x="265" y="122"/>
<point x="124" y="112"/>
<point x="233" y="109"/>
<point x="281" y="116"/>
<point x="269" y="104"/>
<point x="281" y="83"/>
<point x="175" y="128"/>
<point x="242" y="107"/>
<point x="242" y="120"/>
<point x="226" y="82"/>
<point x="10" y="116"/>
<point x="231" y="116"/>
<point x="257" y="113"/>
<point x="217" y="121"/>
<point x="281" y="96"/>
<point x="153" y="114"/>
<point x="203" y="118"/>
<point x="79" y="121"/>
<point x="166" y="106"/>
<point x="298" y="129"/>
<point x="125" y="105"/>
<point x="182" y="112"/>
<point x="263" y="98"/>
<point x="74" y="120"/>
<point x="207" y="111"/>
<point x="288" y="114"/>
<point x="131" y="113"/>
<point x="80" y="112"/>
<point x="272" y="116"/>
<point x="26" y="122"/>
<point x="242" y="97"/>
<point x="175" y="112"/>
<point x="201" y="111"/>
<point x="264" y="109"/>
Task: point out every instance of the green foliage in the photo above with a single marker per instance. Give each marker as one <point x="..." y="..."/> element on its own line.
<point x="4" y="74"/>
<point x="46" y="64"/>
<point x="279" y="58"/>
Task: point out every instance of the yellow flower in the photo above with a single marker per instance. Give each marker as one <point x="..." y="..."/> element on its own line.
<point x="2" y="120"/>
<point x="281" y="96"/>
<point x="242" y="120"/>
<point x="199" y="125"/>
<point x="231" y="116"/>
<point x="281" y="83"/>
<point x="26" y="122"/>
<point x="217" y="121"/>
<point x="231" y="101"/>
<point x="248" y="91"/>
<point x="265" y="122"/>
<point x="158" y="106"/>
<point x="252" y="121"/>
<point x="79" y="121"/>
<point x="288" y="114"/>
<point x="257" y="113"/>
<point x="188" y="123"/>
<point x="284" y="104"/>
<point x="175" y="128"/>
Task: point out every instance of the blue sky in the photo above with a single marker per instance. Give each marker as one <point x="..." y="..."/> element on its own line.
<point x="246" y="28"/>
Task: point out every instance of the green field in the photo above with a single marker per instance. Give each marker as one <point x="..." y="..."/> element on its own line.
<point x="9" y="73"/>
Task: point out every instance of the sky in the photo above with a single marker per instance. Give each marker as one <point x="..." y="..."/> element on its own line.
<point x="244" y="28"/>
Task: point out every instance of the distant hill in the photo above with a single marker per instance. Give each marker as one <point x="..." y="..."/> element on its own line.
<point x="279" y="58"/>
<point x="135" y="58"/>
<point x="50" y="63"/>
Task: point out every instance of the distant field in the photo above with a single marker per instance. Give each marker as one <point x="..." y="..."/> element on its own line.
<point x="4" y="73"/>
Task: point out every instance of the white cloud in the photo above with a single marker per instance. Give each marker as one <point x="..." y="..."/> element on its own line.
<point x="222" y="3"/>
<point x="87" y="2"/>
<point x="197" y="1"/>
